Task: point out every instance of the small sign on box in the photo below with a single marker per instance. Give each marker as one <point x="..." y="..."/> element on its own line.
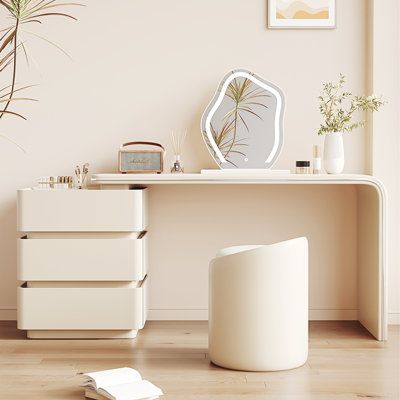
<point x="141" y="160"/>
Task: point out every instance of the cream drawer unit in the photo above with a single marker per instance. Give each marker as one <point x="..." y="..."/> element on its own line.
<point x="81" y="210"/>
<point x="83" y="261"/>
<point x="84" y="258"/>
<point x="81" y="311"/>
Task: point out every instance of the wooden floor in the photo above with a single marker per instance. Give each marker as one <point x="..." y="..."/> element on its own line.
<point x="344" y="362"/>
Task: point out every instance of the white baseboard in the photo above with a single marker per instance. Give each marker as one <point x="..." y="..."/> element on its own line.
<point x="332" y="315"/>
<point x="202" y="315"/>
<point x="177" y="315"/>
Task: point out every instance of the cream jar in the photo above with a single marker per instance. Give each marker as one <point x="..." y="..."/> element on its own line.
<point x="303" y="167"/>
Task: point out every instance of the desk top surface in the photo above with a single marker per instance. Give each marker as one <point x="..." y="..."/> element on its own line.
<point x="234" y="178"/>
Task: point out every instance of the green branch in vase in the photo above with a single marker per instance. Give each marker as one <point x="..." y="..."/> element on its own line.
<point x="338" y="107"/>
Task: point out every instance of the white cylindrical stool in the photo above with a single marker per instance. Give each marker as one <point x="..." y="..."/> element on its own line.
<point x="258" y="306"/>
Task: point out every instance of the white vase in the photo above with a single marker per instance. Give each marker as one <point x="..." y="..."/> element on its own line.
<point x="334" y="153"/>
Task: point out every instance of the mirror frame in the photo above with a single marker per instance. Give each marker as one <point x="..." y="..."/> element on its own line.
<point x="217" y="100"/>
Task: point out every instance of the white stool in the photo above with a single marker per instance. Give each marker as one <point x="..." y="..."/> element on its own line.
<point x="258" y="306"/>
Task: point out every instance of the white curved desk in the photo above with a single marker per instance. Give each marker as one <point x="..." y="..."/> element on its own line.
<point x="371" y="225"/>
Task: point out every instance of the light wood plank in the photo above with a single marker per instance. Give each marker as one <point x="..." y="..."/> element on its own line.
<point x="345" y="362"/>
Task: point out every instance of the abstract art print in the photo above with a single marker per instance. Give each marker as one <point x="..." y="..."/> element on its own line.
<point x="301" y="14"/>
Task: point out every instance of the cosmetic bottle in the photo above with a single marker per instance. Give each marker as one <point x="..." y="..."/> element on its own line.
<point x="177" y="166"/>
<point x="317" y="162"/>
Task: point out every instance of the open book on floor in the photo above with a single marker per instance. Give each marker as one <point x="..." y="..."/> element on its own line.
<point x="119" y="384"/>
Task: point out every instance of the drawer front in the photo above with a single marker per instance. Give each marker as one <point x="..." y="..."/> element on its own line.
<point x="81" y="259"/>
<point x="81" y="210"/>
<point x="81" y="308"/>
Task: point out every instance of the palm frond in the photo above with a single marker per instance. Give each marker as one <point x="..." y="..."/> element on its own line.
<point x="27" y="10"/>
<point x="15" y="91"/>
<point x="49" y="42"/>
<point x="12" y="112"/>
<point x="246" y="99"/>
<point x="18" y="99"/>
<point x="13" y="142"/>
<point x="24" y="12"/>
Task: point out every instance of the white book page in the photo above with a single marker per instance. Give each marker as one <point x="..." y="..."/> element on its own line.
<point x="111" y="377"/>
<point x="131" y="391"/>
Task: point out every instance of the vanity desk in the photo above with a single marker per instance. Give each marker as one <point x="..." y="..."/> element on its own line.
<point x="370" y="221"/>
<point x="82" y="258"/>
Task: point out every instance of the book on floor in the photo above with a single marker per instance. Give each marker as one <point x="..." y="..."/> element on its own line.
<point x="119" y="384"/>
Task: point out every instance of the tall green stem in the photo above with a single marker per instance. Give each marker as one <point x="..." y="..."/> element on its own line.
<point x="234" y="130"/>
<point x="14" y="74"/>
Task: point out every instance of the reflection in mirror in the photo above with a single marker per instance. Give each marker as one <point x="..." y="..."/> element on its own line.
<point x="243" y="125"/>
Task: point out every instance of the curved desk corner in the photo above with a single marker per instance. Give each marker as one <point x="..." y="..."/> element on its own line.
<point x="371" y="225"/>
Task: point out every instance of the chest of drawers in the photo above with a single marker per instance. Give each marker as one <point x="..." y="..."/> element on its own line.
<point x="82" y="263"/>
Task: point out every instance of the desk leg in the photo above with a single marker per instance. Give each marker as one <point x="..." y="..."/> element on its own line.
<point x="371" y="260"/>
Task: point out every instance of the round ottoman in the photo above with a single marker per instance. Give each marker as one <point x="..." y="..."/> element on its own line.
<point x="258" y="306"/>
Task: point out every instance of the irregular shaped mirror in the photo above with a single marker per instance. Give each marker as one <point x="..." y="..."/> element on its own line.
<point x="243" y="125"/>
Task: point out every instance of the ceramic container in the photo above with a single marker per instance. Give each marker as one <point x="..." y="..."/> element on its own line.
<point x="334" y="153"/>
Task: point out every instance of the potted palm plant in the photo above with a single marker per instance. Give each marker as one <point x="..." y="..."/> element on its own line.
<point x="338" y="109"/>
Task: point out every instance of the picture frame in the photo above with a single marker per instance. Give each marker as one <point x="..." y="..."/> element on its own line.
<point x="302" y="14"/>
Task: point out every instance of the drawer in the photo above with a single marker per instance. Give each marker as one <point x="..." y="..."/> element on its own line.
<point x="81" y="210"/>
<point x="89" y="259"/>
<point x="81" y="308"/>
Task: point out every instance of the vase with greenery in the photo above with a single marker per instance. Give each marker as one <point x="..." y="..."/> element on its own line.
<point x="22" y="16"/>
<point x="339" y="109"/>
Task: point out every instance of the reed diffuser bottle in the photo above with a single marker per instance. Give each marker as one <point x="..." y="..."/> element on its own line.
<point x="178" y="139"/>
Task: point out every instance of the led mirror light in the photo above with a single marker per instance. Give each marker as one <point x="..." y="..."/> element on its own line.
<point x="243" y="124"/>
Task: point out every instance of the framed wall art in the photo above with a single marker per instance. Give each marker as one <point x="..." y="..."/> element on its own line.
<point x="301" y="14"/>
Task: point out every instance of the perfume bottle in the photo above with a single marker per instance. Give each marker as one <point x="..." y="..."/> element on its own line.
<point x="176" y="166"/>
<point x="178" y="139"/>
<point x="317" y="163"/>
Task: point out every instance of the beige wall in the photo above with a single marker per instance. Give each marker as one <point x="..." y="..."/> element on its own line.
<point x="384" y="77"/>
<point x="143" y="68"/>
<point x="222" y="216"/>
